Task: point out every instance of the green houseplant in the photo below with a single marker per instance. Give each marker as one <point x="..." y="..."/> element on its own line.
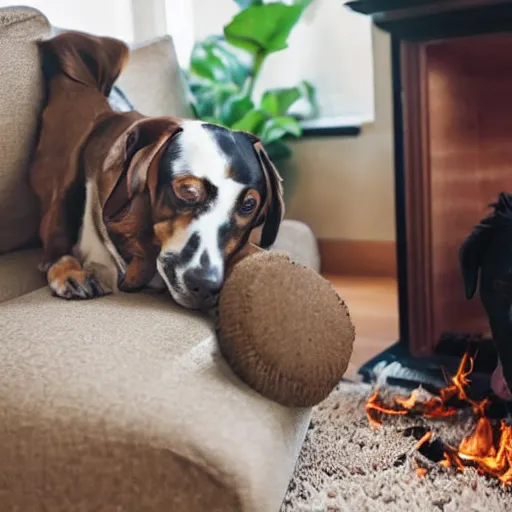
<point x="225" y="68"/>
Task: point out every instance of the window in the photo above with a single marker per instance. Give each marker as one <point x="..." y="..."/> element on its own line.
<point x="331" y="47"/>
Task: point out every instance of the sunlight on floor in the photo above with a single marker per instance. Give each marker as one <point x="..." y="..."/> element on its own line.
<point x="373" y="305"/>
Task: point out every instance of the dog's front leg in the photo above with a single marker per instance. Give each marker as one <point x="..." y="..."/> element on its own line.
<point x="68" y="279"/>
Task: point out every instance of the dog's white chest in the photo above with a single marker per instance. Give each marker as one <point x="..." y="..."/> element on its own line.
<point x="91" y="250"/>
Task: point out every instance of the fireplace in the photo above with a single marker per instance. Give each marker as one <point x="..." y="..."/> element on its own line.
<point x="459" y="156"/>
<point x="452" y="73"/>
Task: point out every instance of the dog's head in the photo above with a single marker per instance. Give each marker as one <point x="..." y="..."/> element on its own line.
<point x="212" y="191"/>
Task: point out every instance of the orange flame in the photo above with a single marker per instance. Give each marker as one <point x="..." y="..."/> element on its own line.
<point x="421" y="472"/>
<point x="373" y="405"/>
<point x="479" y="448"/>
<point x="425" y="439"/>
<point x="490" y="453"/>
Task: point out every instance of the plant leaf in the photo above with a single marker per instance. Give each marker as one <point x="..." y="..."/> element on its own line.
<point x="205" y="64"/>
<point x="210" y="97"/>
<point x="309" y="92"/>
<point x="234" y="108"/>
<point x="263" y="28"/>
<point x="210" y="119"/>
<point x="238" y="71"/>
<point x="304" y="4"/>
<point x="203" y="100"/>
<point x="277" y="127"/>
<point x="213" y="59"/>
<point x="299" y="102"/>
<point x="278" y="101"/>
<point x="252" y="122"/>
<point x="243" y="4"/>
<point x="278" y="150"/>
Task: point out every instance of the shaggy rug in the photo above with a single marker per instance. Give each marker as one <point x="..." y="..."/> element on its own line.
<point x="346" y="465"/>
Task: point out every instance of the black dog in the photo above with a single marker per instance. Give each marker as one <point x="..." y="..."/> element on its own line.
<point x="488" y="251"/>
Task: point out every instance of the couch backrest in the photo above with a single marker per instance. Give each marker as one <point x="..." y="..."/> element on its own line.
<point x="20" y="106"/>
<point x="152" y="82"/>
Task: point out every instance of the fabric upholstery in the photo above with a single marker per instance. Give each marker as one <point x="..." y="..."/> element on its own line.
<point x="298" y="240"/>
<point x="20" y="104"/>
<point x="19" y="274"/>
<point x="153" y="82"/>
<point x="124" y="403"/>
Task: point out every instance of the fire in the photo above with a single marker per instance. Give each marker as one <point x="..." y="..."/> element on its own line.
<point x="480" y="443"/>
<point x="373" y="405"/>
<point x="425" y="439"/>
<point x="488" y="450"/>
<point x="479" y="448"/>
<point x="421" y="472"/>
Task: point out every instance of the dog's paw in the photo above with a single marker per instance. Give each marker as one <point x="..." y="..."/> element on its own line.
<point x="70" y="281"/>
<point x="79" y="285"/>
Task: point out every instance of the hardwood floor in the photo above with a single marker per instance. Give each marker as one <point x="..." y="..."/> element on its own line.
<point x="373" y="305"/>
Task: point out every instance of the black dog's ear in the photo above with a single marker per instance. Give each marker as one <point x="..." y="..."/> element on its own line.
<point x="274" y="207"/>
<point x="470" y="257"/>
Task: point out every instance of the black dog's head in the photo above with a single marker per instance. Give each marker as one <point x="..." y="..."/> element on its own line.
<point x="486" y="262"/>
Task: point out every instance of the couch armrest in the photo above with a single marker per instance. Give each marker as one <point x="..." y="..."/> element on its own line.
<point x="298" y="240"/>
<point x="19" y="274"/>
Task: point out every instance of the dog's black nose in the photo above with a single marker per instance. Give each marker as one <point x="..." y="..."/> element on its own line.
<point x="203" y="282"/>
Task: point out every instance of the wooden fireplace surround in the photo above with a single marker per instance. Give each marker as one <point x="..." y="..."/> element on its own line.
<point x="452" y="64"/>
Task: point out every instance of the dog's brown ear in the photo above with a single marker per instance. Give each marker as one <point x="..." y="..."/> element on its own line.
<point x="135" y="150"/>
<point x="274" y="207"/>
<point x="87" y="59"/>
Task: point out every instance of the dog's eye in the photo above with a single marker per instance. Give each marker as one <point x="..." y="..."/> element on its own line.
<point x="248" y="205"/>
<point x="189" y="190"/>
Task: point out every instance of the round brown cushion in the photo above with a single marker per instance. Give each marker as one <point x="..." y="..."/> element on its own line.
<point x="284" y="330"/>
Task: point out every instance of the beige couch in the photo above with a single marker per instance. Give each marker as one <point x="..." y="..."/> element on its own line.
<point x="121" y="403"/>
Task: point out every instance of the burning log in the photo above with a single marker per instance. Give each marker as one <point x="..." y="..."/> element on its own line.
<point x="487" y="449"/>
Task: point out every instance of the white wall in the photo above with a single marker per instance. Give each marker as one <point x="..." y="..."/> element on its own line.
<point x="132" y="21"/>
<point x="149" y="19"/>
<point x="344" y="187"/>
<point x="116" y="18"/>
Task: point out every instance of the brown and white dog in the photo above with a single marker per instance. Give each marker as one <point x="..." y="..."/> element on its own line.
<point x="129" y="201"/>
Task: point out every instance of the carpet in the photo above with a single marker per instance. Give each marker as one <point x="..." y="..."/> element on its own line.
<point x="345" y="465"/>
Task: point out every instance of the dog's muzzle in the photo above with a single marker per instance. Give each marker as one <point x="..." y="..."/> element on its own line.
<point x="197" y="285"/>
<point x="203" y="283"/>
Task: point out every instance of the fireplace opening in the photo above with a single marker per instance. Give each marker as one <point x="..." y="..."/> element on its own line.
<point x="453" y="116"/>
<point x="469" y="117"/>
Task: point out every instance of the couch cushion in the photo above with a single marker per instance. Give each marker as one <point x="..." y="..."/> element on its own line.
<point x="19" y="274"/>
<point x="153" y="81"/>
<point x="124" y="403"/>
<point x="298" y="240"/>
<point x="20" y="106"/>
